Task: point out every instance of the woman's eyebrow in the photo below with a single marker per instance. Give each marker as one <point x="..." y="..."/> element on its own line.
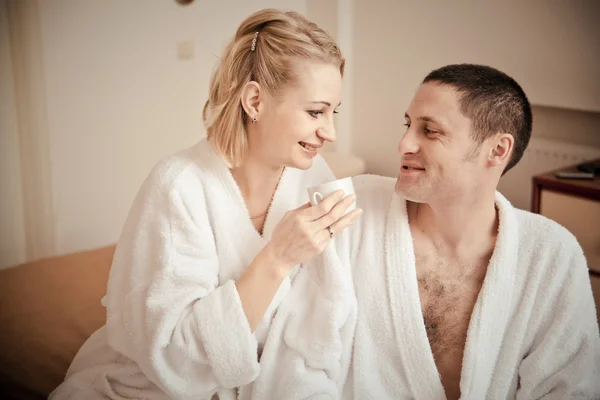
<point x="328" y="104"/>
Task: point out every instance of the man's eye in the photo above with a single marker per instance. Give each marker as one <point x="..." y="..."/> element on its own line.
<point x="407" y="125"/>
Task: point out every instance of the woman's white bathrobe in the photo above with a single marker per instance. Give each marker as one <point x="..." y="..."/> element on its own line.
<point x="308" y="351"/>
<point x="175" y="324"/>
<point x="533" y="332"/>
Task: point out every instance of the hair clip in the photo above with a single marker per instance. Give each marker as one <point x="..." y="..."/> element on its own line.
<point x="254" y="42"/>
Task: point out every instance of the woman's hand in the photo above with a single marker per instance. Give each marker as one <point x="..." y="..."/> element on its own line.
<point x="300" y="235"/>
<point x="303" y="233"/>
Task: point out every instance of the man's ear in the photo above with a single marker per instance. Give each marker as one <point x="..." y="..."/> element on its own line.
<point x="501" y="150"/>
<point x="251" y="98"/>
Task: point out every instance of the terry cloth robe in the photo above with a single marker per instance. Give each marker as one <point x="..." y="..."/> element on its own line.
<point x="308" y="350"/>
<point x="175" y="325"/>
<point x="533" y="333"/>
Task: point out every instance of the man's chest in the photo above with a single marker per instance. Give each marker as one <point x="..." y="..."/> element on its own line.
<point x="448" y="291"/>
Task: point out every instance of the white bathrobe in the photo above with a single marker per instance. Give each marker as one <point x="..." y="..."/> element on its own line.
<point x="533" y="333"/>
<point x="175" y="324"/>
<point x="308" y="351"/>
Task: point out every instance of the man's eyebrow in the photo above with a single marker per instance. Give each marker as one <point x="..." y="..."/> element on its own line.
<point x="328" y="104"/>
<point x="430" y="119"/>
<point x="424" y="118"/>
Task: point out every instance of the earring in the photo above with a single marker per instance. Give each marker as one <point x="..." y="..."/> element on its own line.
<point x="253" y="119"/>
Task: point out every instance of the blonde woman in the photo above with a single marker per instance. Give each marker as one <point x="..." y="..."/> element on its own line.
<point x="208" y="248"/>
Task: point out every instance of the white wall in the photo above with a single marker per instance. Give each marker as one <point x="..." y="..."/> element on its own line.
<point x="101" y="95"/>
<point x="336" y="17"/>
<point x="118" y="99"/>
<point x="550" y="47"/>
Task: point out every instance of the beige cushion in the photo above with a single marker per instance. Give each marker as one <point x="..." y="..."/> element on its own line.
<point x="48" y="308"/>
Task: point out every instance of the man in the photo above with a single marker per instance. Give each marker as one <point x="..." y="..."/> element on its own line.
<point x="461" y="295"/>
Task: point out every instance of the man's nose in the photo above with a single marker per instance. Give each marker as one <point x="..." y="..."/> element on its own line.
<point x="409" y="143"/>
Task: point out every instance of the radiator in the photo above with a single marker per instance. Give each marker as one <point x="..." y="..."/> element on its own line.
<point x="542" y="155"/>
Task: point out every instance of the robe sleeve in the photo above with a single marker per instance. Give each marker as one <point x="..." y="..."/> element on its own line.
<point x="166" y="310"/>
<point x="564" y="361"/>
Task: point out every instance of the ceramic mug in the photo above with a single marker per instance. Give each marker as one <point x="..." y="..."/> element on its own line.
<point x="317" y="193"/>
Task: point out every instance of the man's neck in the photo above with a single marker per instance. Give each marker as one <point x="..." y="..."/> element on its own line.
<point x="457" y="228"/>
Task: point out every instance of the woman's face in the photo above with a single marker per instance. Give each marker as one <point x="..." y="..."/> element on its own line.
<point x="292" y="126"/>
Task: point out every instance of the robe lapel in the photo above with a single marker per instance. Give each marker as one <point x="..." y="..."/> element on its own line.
<point x="236" y="227"/>
<point x="493" y="308"/>
<point x="413" y="346"/>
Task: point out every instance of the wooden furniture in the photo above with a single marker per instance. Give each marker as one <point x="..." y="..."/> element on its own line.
<point x="583" y="188"/>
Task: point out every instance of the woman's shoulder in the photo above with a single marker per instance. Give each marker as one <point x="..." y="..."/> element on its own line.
<point x="171" y="167"/>
<point x="179" y="171"/>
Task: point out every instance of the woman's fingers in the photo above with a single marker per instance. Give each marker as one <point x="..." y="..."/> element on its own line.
<point x="325" y="206"/>
<point x="304" y="206"/>
<point x="336" y="212"/>
<point x="302" y="233"/>
<point x="345" y="221"/>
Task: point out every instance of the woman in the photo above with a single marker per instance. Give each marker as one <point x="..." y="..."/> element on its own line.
<point x="210" y="243"/>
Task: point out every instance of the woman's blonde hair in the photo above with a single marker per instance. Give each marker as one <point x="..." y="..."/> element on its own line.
<point x="263" y="50"/>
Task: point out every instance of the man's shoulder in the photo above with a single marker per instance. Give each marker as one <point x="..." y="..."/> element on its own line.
<point x="553" y="253"/>
<point x="547" y="234"/>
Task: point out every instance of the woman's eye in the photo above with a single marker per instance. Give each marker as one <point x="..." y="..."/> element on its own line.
<point x="315" y="113"/>
<point x="336" y="112"/>
<point x="407" y="125"/>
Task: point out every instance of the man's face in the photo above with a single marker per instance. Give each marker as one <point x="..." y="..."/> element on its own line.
<point x="440" y="159"/>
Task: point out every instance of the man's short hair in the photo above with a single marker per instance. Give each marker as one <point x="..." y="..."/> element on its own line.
<point x="492" y="100"/>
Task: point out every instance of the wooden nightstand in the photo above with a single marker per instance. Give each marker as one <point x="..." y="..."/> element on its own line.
<point x="575" y="204"/>
<point x="583" y="188"/>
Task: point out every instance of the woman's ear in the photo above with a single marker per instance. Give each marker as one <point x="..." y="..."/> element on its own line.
<point x="501" y="150"/>
<point x="251" y="98"/>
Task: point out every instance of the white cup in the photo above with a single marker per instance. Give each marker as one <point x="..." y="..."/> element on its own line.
<point x="318" y="193"/>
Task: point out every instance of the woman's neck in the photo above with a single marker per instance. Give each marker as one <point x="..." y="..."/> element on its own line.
<point x="257" y="182"/>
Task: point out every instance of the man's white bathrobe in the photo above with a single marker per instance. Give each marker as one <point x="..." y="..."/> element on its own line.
<point x="175" y="324"/>
<point x="533" y="332"/>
